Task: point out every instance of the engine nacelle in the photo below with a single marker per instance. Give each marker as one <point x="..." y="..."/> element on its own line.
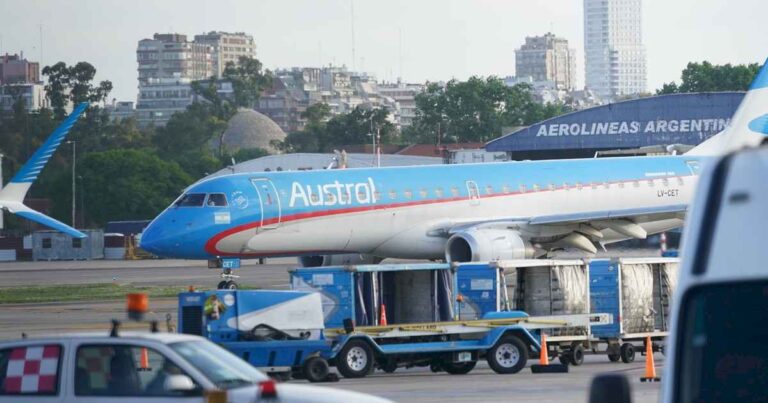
<point x="483" y="245"/>
<point x="337" y="260"/>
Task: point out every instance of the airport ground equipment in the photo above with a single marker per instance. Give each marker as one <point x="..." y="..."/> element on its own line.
<point x="635" y="291"/>
<point x="283" y="332"/>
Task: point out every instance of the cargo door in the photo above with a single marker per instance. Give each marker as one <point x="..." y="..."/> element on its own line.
<point x="271" y="211"/>
<point x="478" y="286"/>
<point x="337" y="292"/>
<point x="604" y="296"/>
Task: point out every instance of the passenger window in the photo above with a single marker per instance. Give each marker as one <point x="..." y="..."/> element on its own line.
<point x="551" y="187"/>
<point x="665" y="182"/>
<point x="636" y="184"/>
<point x="565" y="186"/>
<point x="578" y="185"/>
<point x="522" y="188"/>
<point x="680" y="181"/>
<point x="393" y="194"/>
<point x="489" y="190"/>
<point x="30" y="370"/>
<point x="123" y="370"/>
<point x="650" y="183"/>
<point x="408" y="193"/>
<point x="439" y="192"/>
<point x="621" y="185"/>
<point x="607" y="185"/>
<point x="505" y="189"/>
<point x="191" y="200"/>
<point x="455" y="191"/>
<point x="535" y="187"/>
<point x="423" y="193"/>
<point x="376" y="196"/>
<point x="330" y="198"/>
<point x="593" y="185"/>
<point x="315" y="198"/>
<point x="217" y="200"/>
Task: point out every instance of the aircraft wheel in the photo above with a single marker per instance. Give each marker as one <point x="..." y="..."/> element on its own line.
<point x="222" y="285"/>
<point x="231" y="285"/>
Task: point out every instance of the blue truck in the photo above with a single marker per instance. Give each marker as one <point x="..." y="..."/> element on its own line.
<point x="361" y="318"/>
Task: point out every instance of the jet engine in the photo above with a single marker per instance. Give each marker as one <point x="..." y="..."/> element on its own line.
<point x="483" y="245"/>
<point x="337" y="260"/>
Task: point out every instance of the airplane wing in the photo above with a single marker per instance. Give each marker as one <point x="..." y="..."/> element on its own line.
<point x="559" y="230"/>
<point x="40" y="218"/>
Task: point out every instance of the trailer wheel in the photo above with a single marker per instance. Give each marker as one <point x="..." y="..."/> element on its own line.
<point x="577" y="355"/>
<point x="614" y="357"/>
<point x="508" y="356"/>
<point x="627" y="353"/>
<point x="389" y="366"/>
<point x="459" y="368"/>
<point x="222" y="285"/>
<point x="564" y="358"/>
<point x="315" y="369"/>
<point x="355" y="360"/>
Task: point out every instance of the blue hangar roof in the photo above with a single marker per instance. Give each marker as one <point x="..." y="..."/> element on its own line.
<point x="660" y="120"/>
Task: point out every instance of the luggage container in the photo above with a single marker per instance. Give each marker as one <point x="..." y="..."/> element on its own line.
<point x="406" y="293"/>
<point x="638" y="292"/>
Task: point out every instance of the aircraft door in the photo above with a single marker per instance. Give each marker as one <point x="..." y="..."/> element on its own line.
<point x="474" y="193"/>
<point x="271" y="210"/>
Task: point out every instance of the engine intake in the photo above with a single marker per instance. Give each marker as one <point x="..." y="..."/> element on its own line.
<point x="483" y="245"/>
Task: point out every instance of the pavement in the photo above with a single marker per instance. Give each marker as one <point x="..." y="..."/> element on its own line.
<point x="416" y="384"/>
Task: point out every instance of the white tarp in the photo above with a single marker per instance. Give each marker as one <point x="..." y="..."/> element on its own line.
<point x="555" y="290"/>
<point x="637" y="313"/>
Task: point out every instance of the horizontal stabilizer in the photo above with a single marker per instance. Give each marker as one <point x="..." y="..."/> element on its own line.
<point x="40" y="218"/>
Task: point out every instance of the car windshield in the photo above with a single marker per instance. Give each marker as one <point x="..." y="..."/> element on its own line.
<point x="221" y="367"/>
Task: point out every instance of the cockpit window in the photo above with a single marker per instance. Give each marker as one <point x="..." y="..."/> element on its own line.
<point x="191" y="200"/>
<point x="217" y="200"/>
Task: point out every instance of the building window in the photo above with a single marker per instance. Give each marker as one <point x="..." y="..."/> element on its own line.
<point x="46" y="243"/>
<point x="77" y="243"/>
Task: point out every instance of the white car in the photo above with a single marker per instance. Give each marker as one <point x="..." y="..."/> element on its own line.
<point x="141" y="367"/>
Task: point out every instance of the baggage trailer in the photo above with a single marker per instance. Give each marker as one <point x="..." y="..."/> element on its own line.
<point x="543" y="287"/>
<point x="282" y="332"/>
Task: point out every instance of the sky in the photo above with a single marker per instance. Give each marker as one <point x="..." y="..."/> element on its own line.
<point x="418" y="40"/>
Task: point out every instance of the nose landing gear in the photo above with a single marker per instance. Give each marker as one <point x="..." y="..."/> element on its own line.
<point x="227" y="265"/>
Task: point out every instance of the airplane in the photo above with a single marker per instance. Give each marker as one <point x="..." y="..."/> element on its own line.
<point x="12" y="195"/>
<point x="459" y="213"/>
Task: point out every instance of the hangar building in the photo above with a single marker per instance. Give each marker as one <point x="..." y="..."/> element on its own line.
<point x="638" y="124"/>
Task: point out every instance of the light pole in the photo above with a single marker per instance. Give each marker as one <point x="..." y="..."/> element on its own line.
<point x="2" y="212"/>
<point x="74" y="162"/>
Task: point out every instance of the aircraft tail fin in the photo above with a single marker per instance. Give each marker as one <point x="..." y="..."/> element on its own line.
<point x="12" y="195"/>
<point x="749" y="125"/>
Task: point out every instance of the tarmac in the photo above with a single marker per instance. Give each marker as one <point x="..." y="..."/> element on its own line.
<point x="416" y="384"/>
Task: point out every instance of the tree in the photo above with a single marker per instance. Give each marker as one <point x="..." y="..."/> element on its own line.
<point x="248" y="80"/>
<point x="474" y="110"/>
<point x="706" y="77"/>
<point x="123" y="185"/>
<point x="73" y="84"/>
<point x="307" y="140"/>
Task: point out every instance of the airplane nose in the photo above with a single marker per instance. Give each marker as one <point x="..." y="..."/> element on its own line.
<point x="152" y="239"/>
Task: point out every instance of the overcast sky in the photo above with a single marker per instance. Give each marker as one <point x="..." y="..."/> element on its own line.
<point x="420" y="39"/>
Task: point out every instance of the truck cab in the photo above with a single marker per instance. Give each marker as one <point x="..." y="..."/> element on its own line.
<point x="717" y="349"/>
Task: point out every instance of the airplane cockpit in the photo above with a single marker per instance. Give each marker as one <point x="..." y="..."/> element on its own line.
<point x="202" y="200"/>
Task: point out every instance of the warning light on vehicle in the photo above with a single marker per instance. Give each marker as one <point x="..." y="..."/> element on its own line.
<point x="137" y="306"/>
<point x="268" y="389"/>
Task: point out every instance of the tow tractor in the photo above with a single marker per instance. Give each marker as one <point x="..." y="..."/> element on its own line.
<point x="284" y="333"/>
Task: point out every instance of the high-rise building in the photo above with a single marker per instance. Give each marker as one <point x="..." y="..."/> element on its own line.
<point x="227" y="47"/>
<point x="168" y="64"/>
<point x="613" y="48"/>
<point x="20" y="80"/>
<point x="15" y="69"/>
<point x="547" y="58"/>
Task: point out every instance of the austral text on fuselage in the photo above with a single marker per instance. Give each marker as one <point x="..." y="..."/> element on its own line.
<point x="331" y="194"/>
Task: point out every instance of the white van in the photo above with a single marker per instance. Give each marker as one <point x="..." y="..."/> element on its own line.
<point x="718" y="344"/>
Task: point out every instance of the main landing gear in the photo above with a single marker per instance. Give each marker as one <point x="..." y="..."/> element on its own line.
<point x="227" y="265"/>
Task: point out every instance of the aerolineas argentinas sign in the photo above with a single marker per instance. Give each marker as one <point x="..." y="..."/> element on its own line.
<point x="332" y="194"/>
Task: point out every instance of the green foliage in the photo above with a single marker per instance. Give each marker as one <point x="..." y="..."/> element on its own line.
<point x="321" y="134"/>
<point x="706" y="77"/>
<point x="73" y="83"/>
<point x="126" y="184"/>
<point x="248" y="80"/>
<point x="474" y="110"/>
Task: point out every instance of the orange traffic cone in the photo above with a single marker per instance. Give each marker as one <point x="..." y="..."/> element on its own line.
<point x="383" y="316"/>
<point x="544" y="367"/>
<point x="144" y="360"/>
<point x="544" y="354"/>
<point x="650" y="368"/>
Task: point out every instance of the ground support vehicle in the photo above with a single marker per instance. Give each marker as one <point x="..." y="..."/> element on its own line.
<point x="283" y="332"/>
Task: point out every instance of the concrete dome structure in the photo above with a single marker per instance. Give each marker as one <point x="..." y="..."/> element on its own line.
<point x="251" y="129"/>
